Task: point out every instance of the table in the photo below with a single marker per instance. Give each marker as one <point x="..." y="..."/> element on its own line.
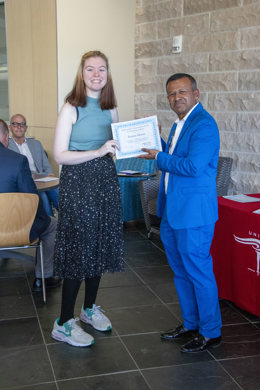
<point x="236" y="253"/>
<point x="144" y="175"/>
<point x="131" y="201"/>
<point x="46" y="185"/>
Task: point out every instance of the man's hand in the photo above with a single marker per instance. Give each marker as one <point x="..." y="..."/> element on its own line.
<point x="151" y="154"/>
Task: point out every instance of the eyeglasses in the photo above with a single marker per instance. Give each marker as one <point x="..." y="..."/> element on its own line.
<point x="18" y="124"/>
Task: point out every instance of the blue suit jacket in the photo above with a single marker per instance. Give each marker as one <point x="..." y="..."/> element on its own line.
<point x="192" y="193"/>
<point x="38" y="154"/>
<point x="15" y="176"/>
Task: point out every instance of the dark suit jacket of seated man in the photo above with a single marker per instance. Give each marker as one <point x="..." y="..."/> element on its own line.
<point x="15" y="176"/>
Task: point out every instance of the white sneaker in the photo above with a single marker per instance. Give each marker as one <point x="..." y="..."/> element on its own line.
<point x="95" y="318"/>
<point x="70" y="332"/>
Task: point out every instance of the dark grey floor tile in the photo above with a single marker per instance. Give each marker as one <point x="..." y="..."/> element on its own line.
<point x="12" y="259"/>
<point x="126" y="381"/>
<point x="12" y="268"/>
<point x="104" y="357"/>
<point x="195" y="376"/>
<point x="19" y="332"/>
<point x="130" y="236"/>
<point x="127" y="278"/>
<point x="140" y="247"/>
<point x="16" y="307"/>
<point x="156" y="239"/>
<point x="135" y="226"/>
<point x="144" y="319"/>
<point x="155" y="275"/>
<point x="117" y="297"/>
<point x="238" y="341"/>
<point x="97" y="334"/>
<point x="14" y="286"/>
<point x="249" y="316"/>
<point x="53" y="300"/>
<point x="138" y="313"/>
<point x="46" y="323"/>
<point x="166" y="291"/>
<point x="149" y="351"/>
<point x="176" y="311"/>
<point x="230" y="315"/>
<point x="42" y="386"/>
<point x="24" y="367"/>
<point x="51" y="309"/>
<point x="245" y="371"/>
<point x="144" y="260"/>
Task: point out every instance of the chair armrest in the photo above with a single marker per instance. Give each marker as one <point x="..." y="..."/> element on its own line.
<point x="223" y="175"/>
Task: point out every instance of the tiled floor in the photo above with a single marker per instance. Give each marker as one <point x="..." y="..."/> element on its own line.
<point x="140" y="302"/>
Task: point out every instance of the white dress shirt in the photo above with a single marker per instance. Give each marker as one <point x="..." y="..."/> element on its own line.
<point x="173" y="142"/>
<point x="24" y="149"/>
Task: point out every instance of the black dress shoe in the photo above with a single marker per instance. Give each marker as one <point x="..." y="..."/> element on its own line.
<point x="49" y="283"/>
<point x="176" y="333"/>
<point x="200" y="344"/>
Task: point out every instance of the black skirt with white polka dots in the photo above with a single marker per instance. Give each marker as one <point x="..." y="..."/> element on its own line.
<point x="89" y="239"/>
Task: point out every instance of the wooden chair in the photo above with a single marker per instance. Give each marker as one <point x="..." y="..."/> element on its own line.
<point x="17" y="213"/>
<point x="149" y="191"/>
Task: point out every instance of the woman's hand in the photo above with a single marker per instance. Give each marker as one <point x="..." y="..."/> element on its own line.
<point x="108" y="148"/>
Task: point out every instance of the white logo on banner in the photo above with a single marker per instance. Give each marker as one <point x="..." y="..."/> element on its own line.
<point x="256" y="246"/>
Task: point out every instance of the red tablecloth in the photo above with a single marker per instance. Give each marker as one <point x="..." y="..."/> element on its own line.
<point x="236" y="253"/>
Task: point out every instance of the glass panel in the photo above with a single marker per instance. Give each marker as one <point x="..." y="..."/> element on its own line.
<point x="4" y="99"/>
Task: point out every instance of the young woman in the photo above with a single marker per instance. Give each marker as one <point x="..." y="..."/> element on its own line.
<point x="89" y="238"/>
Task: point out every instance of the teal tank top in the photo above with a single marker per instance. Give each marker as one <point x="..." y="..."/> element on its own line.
<point x="93" y="127"/>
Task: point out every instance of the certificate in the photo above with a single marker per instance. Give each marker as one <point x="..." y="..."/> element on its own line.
<point x="134" y="135"/>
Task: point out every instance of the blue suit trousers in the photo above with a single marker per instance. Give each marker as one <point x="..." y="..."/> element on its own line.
<point x="188" y="254"/>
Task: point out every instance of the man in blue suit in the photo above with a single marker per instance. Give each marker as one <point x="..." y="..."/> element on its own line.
<point x="36" y="155"/>
<point x="187" y="204"/>
<point x="15" y="176"/>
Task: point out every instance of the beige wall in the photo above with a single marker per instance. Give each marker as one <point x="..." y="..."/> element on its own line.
<point x="221" y="49"/>
<point x="106" y="25"/>
<point x="32" y="67"/>
<point x="42" y="64"/>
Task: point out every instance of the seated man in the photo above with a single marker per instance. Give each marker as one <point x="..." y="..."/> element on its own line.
<point x="15" y="176"/>
<point x="36" y="155"/>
